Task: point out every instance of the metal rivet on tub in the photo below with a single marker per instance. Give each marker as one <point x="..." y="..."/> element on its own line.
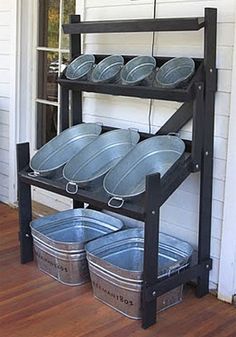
<point x="154" y="293"/>
<point x="153" y="212"/>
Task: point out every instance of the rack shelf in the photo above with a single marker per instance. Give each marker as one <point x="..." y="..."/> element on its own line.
<point x="145" y="25"/>
<point x="180" y="95"/>
<point x="198" y="105"/>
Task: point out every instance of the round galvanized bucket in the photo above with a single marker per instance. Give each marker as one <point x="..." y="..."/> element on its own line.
<point x="175" y="73"/>
<point x="80" y="68"/>
<point x="108" y="69"/>
<point x="137" y="70"/>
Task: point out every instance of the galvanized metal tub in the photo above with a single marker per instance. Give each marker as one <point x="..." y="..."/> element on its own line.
<point x="116" y="269"/>
<point x="137" y="70"/>
<point x="80" y="68"/>
<point x="127" y="178"/>
<point x="87" y="169"/>
<point x="50" y="158"/>
<point x="175" y="73"/>
<point x="108" y="69"/>
<point x="59" y="242"/>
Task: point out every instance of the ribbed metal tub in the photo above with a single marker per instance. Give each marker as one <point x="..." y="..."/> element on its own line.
<point x="80" y="68"/>
<point x="175" y="73"/>
<point x="116" y="269"/>
<point x="88" y="168"/>
<point x="108" y="70"/>
<point x="127" y="178"/>
<point x="50" y="159"/>
<point x="138" y="70"/>
<point x="59" y="241"/>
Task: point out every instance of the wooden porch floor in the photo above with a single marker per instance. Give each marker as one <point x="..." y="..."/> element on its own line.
<point x="34" y="305"/>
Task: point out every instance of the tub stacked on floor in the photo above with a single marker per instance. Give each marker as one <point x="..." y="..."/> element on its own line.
<point x="116" y="265"/>
<point x="59" y="242"/>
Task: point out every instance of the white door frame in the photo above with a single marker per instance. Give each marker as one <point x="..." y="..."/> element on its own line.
<point x="227" y="273"/>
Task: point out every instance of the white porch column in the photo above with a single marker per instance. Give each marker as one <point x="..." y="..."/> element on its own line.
<point x="227" y="273"/>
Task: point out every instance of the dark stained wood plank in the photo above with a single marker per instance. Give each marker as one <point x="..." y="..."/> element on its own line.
<point x="33" y="304"/>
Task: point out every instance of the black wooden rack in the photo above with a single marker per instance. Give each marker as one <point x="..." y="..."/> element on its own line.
<point x="198" y="104"/>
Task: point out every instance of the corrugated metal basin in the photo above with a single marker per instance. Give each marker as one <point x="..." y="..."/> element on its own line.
<point x="116" y="269"/>
<point x="59" y="241"/>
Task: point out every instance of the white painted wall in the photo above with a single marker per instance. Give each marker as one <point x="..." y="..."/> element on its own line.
<point x="180" y="214"/>
<point x="8" y="78"/>
<point x="227" y="275"/>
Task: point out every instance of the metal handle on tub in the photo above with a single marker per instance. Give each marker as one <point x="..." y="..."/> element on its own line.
<point x="74" y="185"/>
<point x="33" y="174"/>
<point x="115" y="205"/>
<point x="176" y="134"/>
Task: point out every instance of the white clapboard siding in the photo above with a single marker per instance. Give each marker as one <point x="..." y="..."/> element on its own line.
<point x="179" y="215"/>
<point x="5" y="94"/>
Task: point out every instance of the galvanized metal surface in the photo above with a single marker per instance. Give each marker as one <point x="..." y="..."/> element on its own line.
<point x="175" y="73"/>
<point x="59" y="241"/>
<point x="137" y="69"/>
<point x="108" y="69"/>
<point x="88" y="168"/>
<point x="80" y="68"/>
<point x="156" y="154"/>
<point x="50" y="158"/>
<point x="116" y="268"/>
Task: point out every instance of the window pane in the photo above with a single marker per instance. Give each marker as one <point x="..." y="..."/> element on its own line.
<point x="67" y="10"/>
<point x="49" y="15"/>
<point x="65" y="58"/>
<point x="48" y="68"/>
<point x="46" y="123"/>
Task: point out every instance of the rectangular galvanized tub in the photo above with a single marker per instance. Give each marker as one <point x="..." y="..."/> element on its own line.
<point x="59" y="241"/>
<point x="116" y="264"/>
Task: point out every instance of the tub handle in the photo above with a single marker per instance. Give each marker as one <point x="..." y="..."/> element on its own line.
<point x="110" y="204"/>
<point x="176" y="134"/>
<point x="71" y="188"/>
<point x="33" y="174"/>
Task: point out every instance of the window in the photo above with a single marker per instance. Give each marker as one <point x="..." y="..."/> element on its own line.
<point x="52" y="58"/>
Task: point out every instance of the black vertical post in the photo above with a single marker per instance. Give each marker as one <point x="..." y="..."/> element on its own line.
<point x="77" y="204"/>
<point x="25" y="206"/>
<point x="151" y="245"/>
<point x="207" y="149"/>
<point x="198" y="129"/>
<point x="64" y="108"/>
<point x="75" y="45"/>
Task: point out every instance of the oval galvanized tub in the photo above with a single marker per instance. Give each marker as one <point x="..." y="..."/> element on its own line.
<point x="59" y="241"/>
<point x="50" y="159"/>
<point x="87" y="169"/>
<point x="116" y="269"/>
<point x="127" y="178"/>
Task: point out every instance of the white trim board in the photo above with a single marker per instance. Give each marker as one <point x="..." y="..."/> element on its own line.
<point x="227" y="273"/>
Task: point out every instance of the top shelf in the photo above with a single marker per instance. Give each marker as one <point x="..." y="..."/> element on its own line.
<point x="141" y="25"/>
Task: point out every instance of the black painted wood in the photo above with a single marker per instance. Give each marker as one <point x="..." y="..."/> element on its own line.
<point x="177" y="120"/>
<point x="25" y="206"/>
<point x="151" y="244"/>
<point x="205" y="212"/>
<point x="64" y="108"/>
<point x="143" y="25"/>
